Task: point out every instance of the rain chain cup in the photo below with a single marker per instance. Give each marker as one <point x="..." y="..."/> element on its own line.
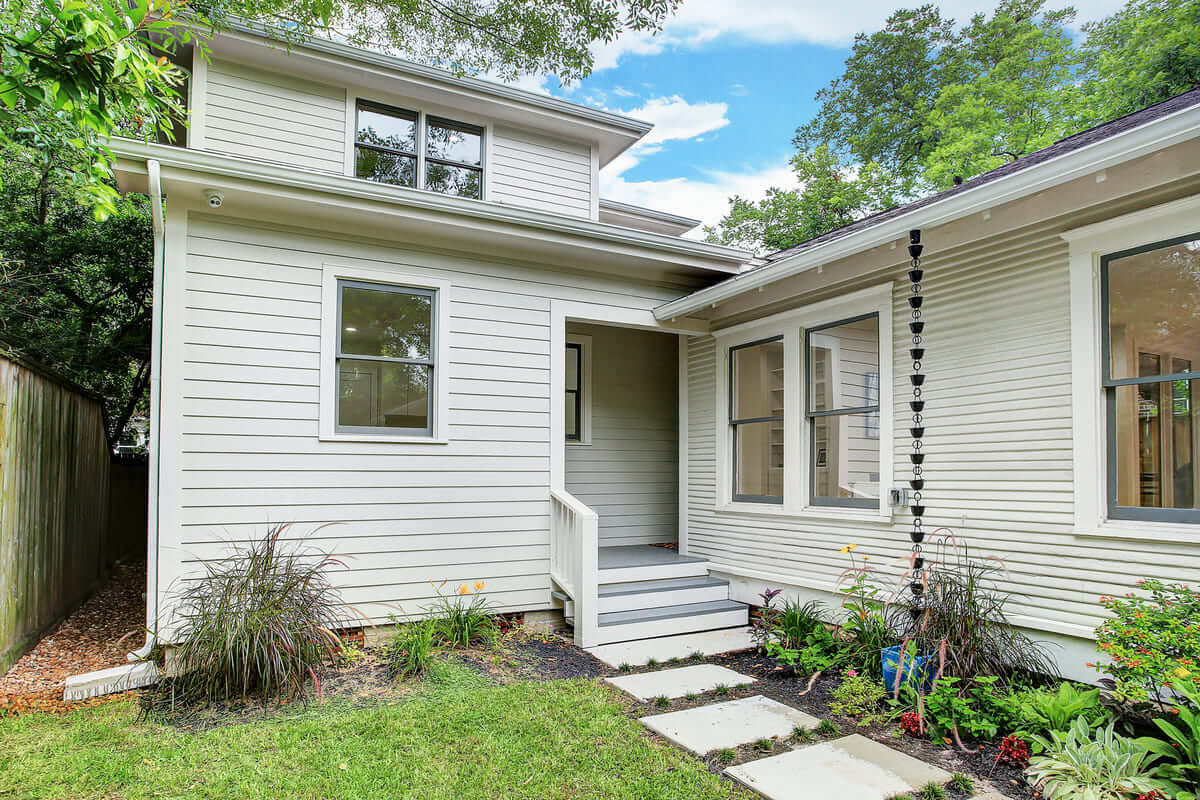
<point x="917" y="404"/>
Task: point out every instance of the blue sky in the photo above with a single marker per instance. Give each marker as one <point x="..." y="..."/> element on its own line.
<point x="726" y="83"/>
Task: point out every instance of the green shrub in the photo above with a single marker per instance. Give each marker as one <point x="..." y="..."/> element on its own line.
<point x="464" y="617"/>
<point x="976" y="709"/>
<point x="259" y="621"/>
<point x="1181" y="748"/>
<point x="932" y="791"/>
<point x="410" y="650"/>
<point x="858" y="697"/>
<point x="827" y="728"/>
<point x="962" y="782"/>
<point x="1098" y="765"/>
<point x="1151" y="641"/>
<point x="1039" y="711"/>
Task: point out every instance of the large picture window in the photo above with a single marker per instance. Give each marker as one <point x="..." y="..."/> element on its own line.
<point x="1151" y="373"/>
<point x="843" y="412"/>
<point x="385" y="360"/>
<point x="756" y="417"/>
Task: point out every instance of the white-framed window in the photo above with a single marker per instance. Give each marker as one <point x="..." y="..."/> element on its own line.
<point x="383" y="356"/>
<point x="405" y="147"/>
<point x="1135" y="341"/>
<point x="799" y="401"/>
<point x="578" y="389"/>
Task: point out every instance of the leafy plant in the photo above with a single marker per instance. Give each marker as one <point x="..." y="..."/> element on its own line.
<point x="764" y="745"/>
<point x="1180" y="751"/>
<point x="1082" y="764"/>
<point x="349" y="654"/>
<point x="766" y="621"/>
<point x="827" y="728"/>
<point x="462" y="622"/>
<point x="1014" y="751"/>
<point x="662" y="701"/>
<point x="410" y="650"/>
<point x="258" y="621"/>
<point x="977" y="711"/>
<point x="796" y="621"/>
<point x="727" y="756"/>
<point x="910" y="723"/>
<point x="1044" y="709"/>
<point x="1151" y="641"/>
<point x="858" y="697"/>
<point x="962" y="782"/>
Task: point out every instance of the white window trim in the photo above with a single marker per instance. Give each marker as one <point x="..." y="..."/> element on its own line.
<point x="331" y="274"/>
<point x="1089" y="417"/>
<point x="586" y="389"/>
<point x="791" y="325"/>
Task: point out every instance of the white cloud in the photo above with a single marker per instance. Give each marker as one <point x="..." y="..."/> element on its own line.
<point x="675" y="118"/>
<point x="781" y="21"/>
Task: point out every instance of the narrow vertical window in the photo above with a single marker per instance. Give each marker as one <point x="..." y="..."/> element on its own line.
<point x="385" y="358"/>
<point x="574" y="393"/>
<point x="1151" y="343"/>
<point x="453" y="158"/>
<point x="756" y="420"/>
<point x="385" y="145"/>
<point x="843" y="412"/>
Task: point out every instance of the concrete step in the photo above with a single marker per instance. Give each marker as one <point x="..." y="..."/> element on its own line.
<point x="646" y="623"/>
<point x="656" y="594"/>
<point x="664" y="648"/>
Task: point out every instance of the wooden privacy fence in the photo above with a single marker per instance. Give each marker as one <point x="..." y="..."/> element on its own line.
<point x="54" y="502"/>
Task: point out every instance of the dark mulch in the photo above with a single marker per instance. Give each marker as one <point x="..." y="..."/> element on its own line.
<point x="535" y="656"/>
<point x="95" y="636"/>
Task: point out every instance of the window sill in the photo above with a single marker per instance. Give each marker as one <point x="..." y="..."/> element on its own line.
<point x="366" y="437"/>
<point x="825" y="513"/>
<point x="1132" y="530"/>
<point x="578" y="444"/>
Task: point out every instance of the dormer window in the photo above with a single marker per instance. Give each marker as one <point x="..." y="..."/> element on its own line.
<point x="385" y="145"/>
<point x="409" y="148"/>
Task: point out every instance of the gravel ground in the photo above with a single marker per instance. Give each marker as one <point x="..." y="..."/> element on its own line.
<point x="97" y="635"/>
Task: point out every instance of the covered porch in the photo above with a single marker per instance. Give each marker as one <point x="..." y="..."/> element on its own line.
<point x="615" y="564"/>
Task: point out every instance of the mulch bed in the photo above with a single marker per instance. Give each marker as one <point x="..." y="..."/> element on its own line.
<point x="95" y="636"/>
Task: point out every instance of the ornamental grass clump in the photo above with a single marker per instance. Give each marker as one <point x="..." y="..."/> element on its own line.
<point x="260" y="621"/>
<point x="1151" y="641"/>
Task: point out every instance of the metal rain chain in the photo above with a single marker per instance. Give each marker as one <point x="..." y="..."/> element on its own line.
<point x="917" y="404"/>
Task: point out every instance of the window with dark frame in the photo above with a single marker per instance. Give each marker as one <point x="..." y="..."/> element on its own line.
<point x="387" y="141"/>
<point x="453" y="158"/>
<point x="385" y="358"/>
<point x="385" y="144"/>
<point x="1150" y="347"/>
<point x="574" y="393"/>
<point x="756" y="399"/>
<point x="842" y="412"/>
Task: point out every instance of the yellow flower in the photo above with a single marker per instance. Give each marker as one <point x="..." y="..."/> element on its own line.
<point x="479" y="586"/>
<point x="848" y="548"/>
<point x="866" y="558"/>
<point x="1180" y="672"/>
<point x="463" y="589"/>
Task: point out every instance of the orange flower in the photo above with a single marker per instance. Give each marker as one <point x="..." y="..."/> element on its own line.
<point x="463" y="589"/>
<point x="479" y="586"/>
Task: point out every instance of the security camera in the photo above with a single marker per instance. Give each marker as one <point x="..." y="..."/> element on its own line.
<point x="215" y="198"/>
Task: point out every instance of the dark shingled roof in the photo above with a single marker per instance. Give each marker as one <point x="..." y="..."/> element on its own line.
<point x="1061" y="147"/>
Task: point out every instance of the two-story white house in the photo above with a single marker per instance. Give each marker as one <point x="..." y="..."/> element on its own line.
<point x="392" y="299"/>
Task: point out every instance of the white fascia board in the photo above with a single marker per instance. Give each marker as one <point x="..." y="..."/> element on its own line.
<point x="628" y="129"/>
<point x="1156" y="135"/>
<point x="132" y="156"/>
<point x="648" y="213"/>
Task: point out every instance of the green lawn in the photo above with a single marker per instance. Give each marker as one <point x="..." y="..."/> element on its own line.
<point x="459" y="737"/>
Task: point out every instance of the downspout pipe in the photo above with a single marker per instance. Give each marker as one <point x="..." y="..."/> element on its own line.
<point x="158" y="224"/>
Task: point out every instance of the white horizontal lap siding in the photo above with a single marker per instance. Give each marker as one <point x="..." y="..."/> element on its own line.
<point x="998" y="444"/>
<point x="537" y="172"/>
<point x="257" y="114"/>
<point x="246" y="317"/>
<point x="629" y="473"/>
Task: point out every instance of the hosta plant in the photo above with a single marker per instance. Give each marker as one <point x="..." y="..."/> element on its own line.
<point x="1039" y="711"/>
<point x="1180" y="750"/>
<point x="1082" y="764"/>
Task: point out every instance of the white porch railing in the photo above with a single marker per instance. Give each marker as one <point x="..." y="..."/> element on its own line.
<point x="574" y="554"/>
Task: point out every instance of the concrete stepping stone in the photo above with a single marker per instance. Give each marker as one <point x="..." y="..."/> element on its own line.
<point x="729" y="724"/>
<point x="851" y="768"/>
<point x="664" y="648"/>
<point x="679" y="681"/>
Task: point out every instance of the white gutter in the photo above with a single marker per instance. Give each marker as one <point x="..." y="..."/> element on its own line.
<point x="1147" y="138"/>
<point x="213" y="164"/>
<point x="158" y="225"/>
